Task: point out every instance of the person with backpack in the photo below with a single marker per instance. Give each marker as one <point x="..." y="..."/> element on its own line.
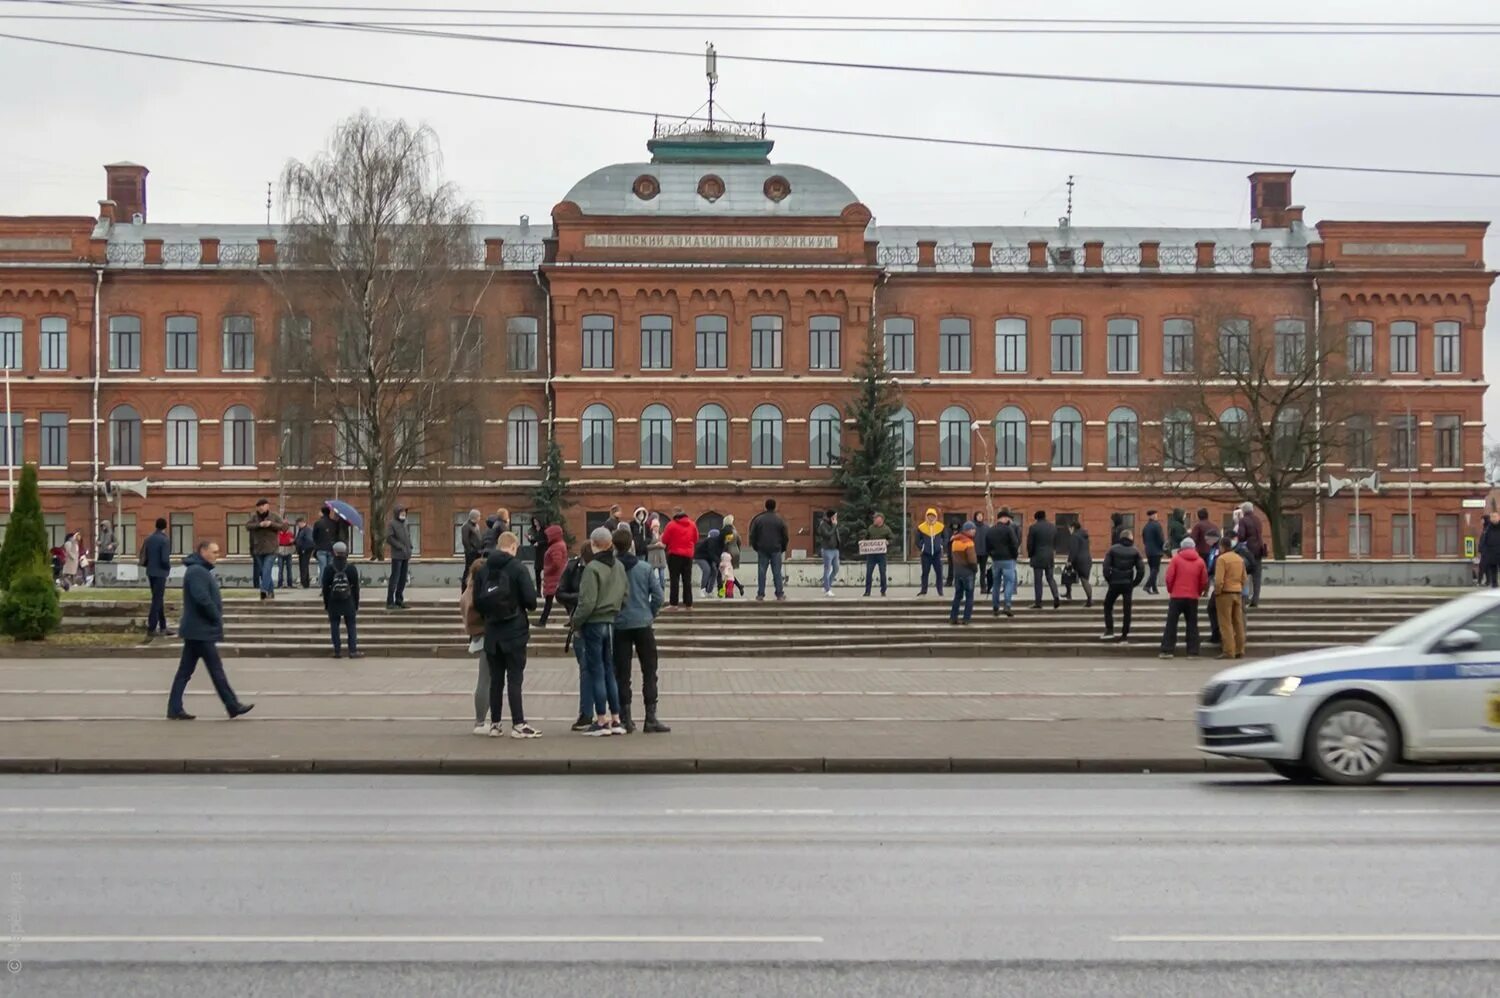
<point x="634" y="633"/>
<point x="341" y="599"/>
<point x="569" y="588"/>
<point x="601" y="594"/>
<point x="554" y="561"/>
<point x="681" y="539"/>
<point x="504" y="595"/>
<point x="303" y="541"/>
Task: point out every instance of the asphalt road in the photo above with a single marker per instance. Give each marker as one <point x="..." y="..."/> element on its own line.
<point x="1030" y="885"/>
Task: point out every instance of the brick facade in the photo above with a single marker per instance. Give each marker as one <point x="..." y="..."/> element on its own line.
<point x="722" y="248"/>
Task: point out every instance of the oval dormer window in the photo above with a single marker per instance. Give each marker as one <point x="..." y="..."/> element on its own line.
<point x="646" y="187"/>
<point x="711" y="188"/>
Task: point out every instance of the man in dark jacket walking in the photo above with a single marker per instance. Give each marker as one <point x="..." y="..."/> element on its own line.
<point x="202" y="628"/>
<point x="1155" y="541"/>
<point x="325" y="532"/>
<point x="1123" y="571"/>
<point x="303" y="541"/>
<point x="1002" y="544"/>
<point x="398" y="545"/>
<point x="156" y="557"/>
<point x="1253" y="538"/>
<point x="341" y="599"/>
<point x="770" y="539"/>
<point x="1489" y="552"/>
<point x="1041" y="552"/>
<point x="504" y="595"/>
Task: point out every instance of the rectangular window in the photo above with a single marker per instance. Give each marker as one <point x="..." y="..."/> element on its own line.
<point x="1123" y="342"/>
<point x="1010" y="346"/>
<point x="823" y="333"/>
<point x="1361" y="449"/>
<point x="180" y="527"/>
<point x="459" y="519"/>
<point x="656" y="343"/>
<point x="520" y="341"/>
<point x="900" y="345"/>
<point x="711" y="340"/>
<point x="125" y="536"/>
<point x="54" y="343"/>
<point x="236" y="535"/>
<point x="12" y="447"/>
<point x="466" y="441"/>
<point x="1291" y="345"/>
<point x="56" y="525"/>
<point x="295" y="334"/>
<point x="598" y="342"/>
<point x="466" y="343"/>
<point x="1359" y="535"/>
<point x="1234" y="346"/>
<point x="765" y="342"/>
<point x="1403" y="443"/>
<point x="239" y="343"/>
<point x="1403" y="347"/>
<point x="1359" y="346"/>
<point x="955" y="346"/>
<point x="414" y="527"/>
<point x="1177" y="346"/>
<point x="1291" y="525"/>
<point x="54" y="440"/>
<point x="1445" y="339"/>
<point x="1067" y="346"/>
<point x="1447" y="535"/>
<point x="1447" y="439"/>
<point x="182" y="343"/>
<point x="10" y="342"/>
<point x="124" y="343"/>
<point x="1401" y="536"/>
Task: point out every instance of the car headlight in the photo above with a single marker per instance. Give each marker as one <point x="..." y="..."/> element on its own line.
<point x="1283" y="686"/>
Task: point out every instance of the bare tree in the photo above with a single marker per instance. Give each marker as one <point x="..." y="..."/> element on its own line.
<point x="1492" y="462"/>
<point x="1256" y="406"/>
<point x="377" y="257"/>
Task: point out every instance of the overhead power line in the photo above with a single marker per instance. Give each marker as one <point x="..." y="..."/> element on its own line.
<point x="814" y="63"/>
<point x="780" y="126"/>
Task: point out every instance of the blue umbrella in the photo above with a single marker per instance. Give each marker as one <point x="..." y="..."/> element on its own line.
<point x="347" y="512"/>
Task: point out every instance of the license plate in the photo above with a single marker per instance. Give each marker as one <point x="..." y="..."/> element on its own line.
<point x="1203" y="719"/>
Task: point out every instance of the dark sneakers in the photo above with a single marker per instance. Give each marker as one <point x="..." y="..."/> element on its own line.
<point x="241" y="710"/>
<point x="583" y="723"/>
<point x="184" y="716"/>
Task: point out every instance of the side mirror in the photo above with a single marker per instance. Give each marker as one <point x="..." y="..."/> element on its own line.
<point x="1460" y="640"/>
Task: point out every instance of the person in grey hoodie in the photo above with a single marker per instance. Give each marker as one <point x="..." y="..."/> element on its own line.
<point x="634" y="632"/>
<point x="398" y="542"/>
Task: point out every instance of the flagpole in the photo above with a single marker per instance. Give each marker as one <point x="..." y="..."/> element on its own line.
<point x="10" y="441"/>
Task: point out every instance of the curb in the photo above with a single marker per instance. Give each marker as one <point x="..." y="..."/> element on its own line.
<point x="616" y="767"/>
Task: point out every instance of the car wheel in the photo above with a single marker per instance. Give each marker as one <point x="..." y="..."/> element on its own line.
<point x="1351" y="742"/>
<point x="1297" y="772"/>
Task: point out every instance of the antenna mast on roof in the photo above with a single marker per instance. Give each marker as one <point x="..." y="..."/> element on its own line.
<point x="268" y="204"/>
<point x="711" y="70"/>
<point x="1069" y="215"/>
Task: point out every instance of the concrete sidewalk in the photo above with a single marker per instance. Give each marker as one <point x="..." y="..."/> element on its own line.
<point x="773" y="715"/>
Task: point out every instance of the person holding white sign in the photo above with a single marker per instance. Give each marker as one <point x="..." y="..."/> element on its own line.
<point x="874" y="546"/>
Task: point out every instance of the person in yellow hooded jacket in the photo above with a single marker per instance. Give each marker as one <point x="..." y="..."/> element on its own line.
<point x="930" y="546"/>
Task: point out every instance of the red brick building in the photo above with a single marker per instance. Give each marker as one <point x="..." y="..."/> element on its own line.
<point x="689" y="326"/>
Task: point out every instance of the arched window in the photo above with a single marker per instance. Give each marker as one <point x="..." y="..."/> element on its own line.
<point x="182" y="437"/>
<point x="1124" y="435"/>
<point x="521" y="438"/>
<point x="656" y="437"/>
<point x="1234" y="437"/>
<point x="765" y="437"/>
<point x="239" y="437"/>
<point x="712" y="434"/>
<point x="903" y="428"/>
<point x="825" y="434"/>
<point x="598" y="426"/>
<point x="955" y="433"/>
<point x="1067" y="438"/>
<point x="125" y="437"/>
<point x="1179" y="443"/>
<point x="1010" y="438"/>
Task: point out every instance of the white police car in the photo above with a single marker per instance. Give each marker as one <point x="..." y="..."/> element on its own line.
<point x="1425" y="691"/>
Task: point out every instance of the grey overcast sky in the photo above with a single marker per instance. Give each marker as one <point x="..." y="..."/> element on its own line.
<point x="214" y="137"/>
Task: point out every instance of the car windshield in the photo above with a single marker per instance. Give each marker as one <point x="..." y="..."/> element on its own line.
<point x="1435" y="621"/>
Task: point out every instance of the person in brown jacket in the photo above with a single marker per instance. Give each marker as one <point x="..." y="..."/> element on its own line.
<point x="1229" y="587"/>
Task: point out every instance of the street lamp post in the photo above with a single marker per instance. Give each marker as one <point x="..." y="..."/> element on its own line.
<point x="989" y="472"/>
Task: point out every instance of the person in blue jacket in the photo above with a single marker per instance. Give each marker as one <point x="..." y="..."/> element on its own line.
<point x="156" y="559"/>
<point x="202" y="628"/>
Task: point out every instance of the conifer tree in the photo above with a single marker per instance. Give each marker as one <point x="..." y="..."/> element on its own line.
<point x="26" y="538"/>
<point x="870" y="471"/>
<point x="550" y="498"/>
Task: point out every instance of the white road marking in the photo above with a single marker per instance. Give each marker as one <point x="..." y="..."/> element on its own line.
<point x="1431" y="810"/>
<point x="1409" y="937"/>
<point x="67" y="810"/>
<point x="944" y="694"/>
<point x="719" y="811"/>
<point x="436" y="940"/>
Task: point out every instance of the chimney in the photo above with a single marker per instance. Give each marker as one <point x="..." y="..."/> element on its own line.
<point x="126" y="186"/>
<point x="1271" y="199"/>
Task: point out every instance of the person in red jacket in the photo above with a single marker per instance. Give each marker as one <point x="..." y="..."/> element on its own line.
<point x="1187" y="582"/>
<point x="554" y="560"/>
<point x="681" y="538"/>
